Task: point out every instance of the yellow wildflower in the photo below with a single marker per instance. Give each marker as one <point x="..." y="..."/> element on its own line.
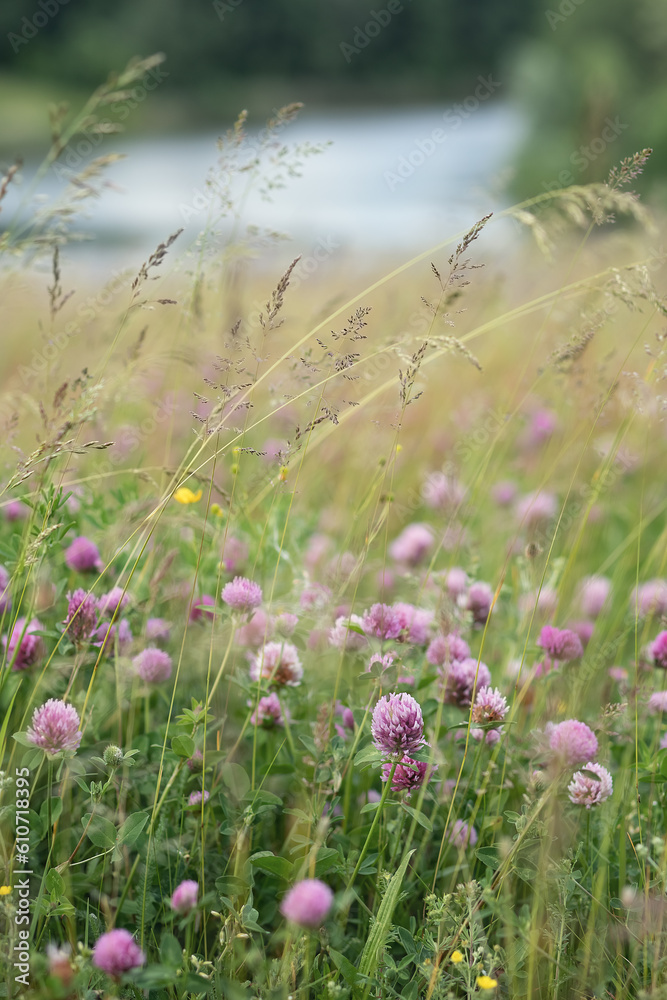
<point x="486" y="983"/>
<point x="5" y="890"/>
<point x="217" y="510"/>
<point x="457" y="957"/>
<point x="185" y="495"/>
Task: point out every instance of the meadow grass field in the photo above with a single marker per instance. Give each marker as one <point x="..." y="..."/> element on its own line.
<point x="334" y="613"/>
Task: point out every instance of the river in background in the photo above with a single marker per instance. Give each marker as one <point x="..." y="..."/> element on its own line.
<point x="391" y="183"/>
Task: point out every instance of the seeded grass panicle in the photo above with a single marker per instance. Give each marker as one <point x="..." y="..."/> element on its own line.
<point x="402" y="489"/>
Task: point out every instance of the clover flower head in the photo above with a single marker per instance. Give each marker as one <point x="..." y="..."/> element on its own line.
<point x="117" y="952"/>
<point x="307" y="903"/>
<point x="650" y="598"/>
<point x="382" y="622"/>
<point x="462" y="834"/>
<point x="23" y="646"/>
<point x="81" y="620"/>
<point x="153" y="665"/>
<point x="268" y="712"/>
<point x="460" y="680"/>
<point x="341" y="636"/>
<point x="412" y="545"/>
<point x="5" y="598"/>
<point x="490" y="705"/>
<point x="196" y="798"/>
<point x="415" y="623"/>
<point x="55" y="727"/>
<point x="594" y="593"/>
<point x="479" y="600"/>
<point x="658" y="650"/>
<point x="184" y="896"/>
<point x="114" y="602"/>
<point x="398" y="725"/>
<point x="278" y="663"/>
<point x="408" y="776"/>
<point x="572" y="742"/>
<point x="444" y="649"/>
<point x="83" y="556"/>
<point x="560" y="643"/>
<point x="657" y="703"/>
<point x="590" y="789"/>
<point x="158" y="630"/>
<point x="242" y="594"/>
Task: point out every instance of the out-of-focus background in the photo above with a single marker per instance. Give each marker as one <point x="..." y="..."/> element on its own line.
<point x="437" y="111"/>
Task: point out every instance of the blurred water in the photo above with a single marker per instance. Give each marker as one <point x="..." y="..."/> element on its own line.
<point x="395" y="182"/>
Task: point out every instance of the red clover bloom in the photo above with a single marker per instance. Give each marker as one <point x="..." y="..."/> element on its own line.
<point x="278" y="663"/>
<point x="658" y="650"/>
<point x="308" y="903"/>
<point x="184" y="896"/>
<point x="560" y="644"/>
<point x="153" y="665"/>
<point x="572" y="742"/>
<point x="383" y="622"/>
<point x="242" y="594"/>
<point x="81" y="620"/>
<point x="23" y="646"/>
<point x="398" y="725"/>
<point x="83" y="556"/>
<point x="408" y="776"/>
<point x="585" y="790"/>
<point x="55" y="727"/>
<point x="117" y="952"/>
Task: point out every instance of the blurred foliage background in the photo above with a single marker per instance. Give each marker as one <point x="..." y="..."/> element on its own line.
<point x="569" y="64"/>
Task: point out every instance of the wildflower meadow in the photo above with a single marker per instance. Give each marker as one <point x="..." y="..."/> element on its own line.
<point x="333" y="605"/>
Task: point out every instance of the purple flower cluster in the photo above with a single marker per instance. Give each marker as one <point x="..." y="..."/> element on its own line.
<point x="658" y="650"/>
<point x="478" y="601"/>
<point x="81" y="621"/>
<point x="398" y="725"/>
<point x="184" y="896"/>
<point x="650" y="598"/>
<point x="586" y="790"/>
<point x="83" y="556"/>
<point x="242" y="594"/>
<point x="278" y="663"/>
<point x="341" y="636"/>
<point x="55" y="727"/>
<point x="560" y="644"/>
<point x="307" y="903"/>
<point x="444" y="649"/>
<point x="408" y="776"/>
<point x="24" y="648"/>
<point x="412" y="545"/>
<point x="572" y="742"/>
<point x="490" y="706"/>
<point x="153" y="665"/>
<point x="593" y="595"/>
<point x="460" y="680"/>
<point x="113" y="603"/>
<point x="116" y="952"/>
<point x="268" y="712"/>
<point x="5" y="597"/>
<point x="382" y="622"/>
